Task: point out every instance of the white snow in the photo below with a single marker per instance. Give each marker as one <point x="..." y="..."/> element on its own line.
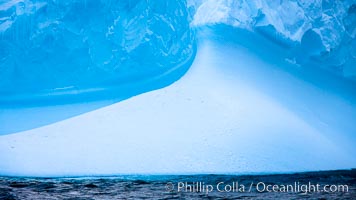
<point x="215" y="119"/>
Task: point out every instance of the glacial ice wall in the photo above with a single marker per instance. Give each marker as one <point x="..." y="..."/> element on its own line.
<point x="50" y="44"/>
<point x="319" y="30"/>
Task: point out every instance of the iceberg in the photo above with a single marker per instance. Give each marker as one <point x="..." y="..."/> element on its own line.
<point x="176" y="87"/>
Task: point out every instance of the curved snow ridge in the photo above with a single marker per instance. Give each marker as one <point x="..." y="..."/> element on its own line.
<point x="289" y="23"/>
<point x="216" y="119"/>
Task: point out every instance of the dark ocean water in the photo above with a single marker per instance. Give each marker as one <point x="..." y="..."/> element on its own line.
<point x="339" y="185"/>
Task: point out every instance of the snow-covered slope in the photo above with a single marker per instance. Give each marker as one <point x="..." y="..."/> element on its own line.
<point x="235" y="111"/>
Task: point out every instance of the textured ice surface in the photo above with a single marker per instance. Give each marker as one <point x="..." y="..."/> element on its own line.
<point x="321" y="30"/>
<point x="50" y="45"/>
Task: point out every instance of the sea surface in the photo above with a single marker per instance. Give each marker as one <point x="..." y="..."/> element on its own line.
<point x="184" y="186"/>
